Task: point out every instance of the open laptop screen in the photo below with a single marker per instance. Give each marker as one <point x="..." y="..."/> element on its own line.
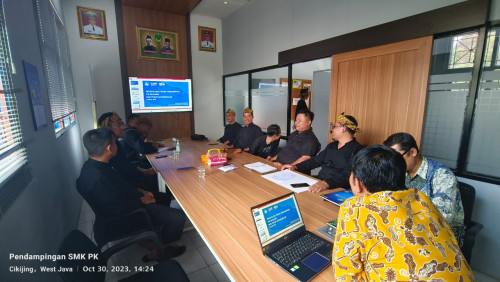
<point x="277" y="218"/>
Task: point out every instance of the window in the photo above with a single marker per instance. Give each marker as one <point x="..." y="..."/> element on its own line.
<point x="483" y="153"/>
<point x="463" y="50"/>
<point x="461" y="124"/>
<point x="447" y="96"/>
<point x="13" y="157"/>
<point x="236" y="95"/>
<point x="268" y="98"/>
<point x="268" y="93"/>
<point x="57" y="66"/>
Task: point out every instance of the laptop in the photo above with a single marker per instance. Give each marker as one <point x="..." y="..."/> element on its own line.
<point x="285" y="240"/>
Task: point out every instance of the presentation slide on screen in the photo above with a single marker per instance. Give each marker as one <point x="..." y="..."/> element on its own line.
<point x="275" y="219"/>
<point x="280" y="217"/>
<point x="160" y="95"/>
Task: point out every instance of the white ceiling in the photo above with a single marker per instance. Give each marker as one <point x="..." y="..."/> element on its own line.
<point x="217" y="8"/>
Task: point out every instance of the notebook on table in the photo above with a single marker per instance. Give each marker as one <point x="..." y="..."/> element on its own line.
<point x="285" y="240"/>
<point x="260" y="167"/>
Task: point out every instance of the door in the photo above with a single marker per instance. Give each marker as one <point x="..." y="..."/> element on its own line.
<point x="383" y="87"/>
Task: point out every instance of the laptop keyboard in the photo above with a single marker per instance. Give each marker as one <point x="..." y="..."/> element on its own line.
<point x="292" y="253"/>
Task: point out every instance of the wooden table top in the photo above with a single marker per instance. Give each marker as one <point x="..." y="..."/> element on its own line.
<point x="219" y="205"/>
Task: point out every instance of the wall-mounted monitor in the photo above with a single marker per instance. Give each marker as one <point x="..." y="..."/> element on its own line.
<point x="160" y="95"/>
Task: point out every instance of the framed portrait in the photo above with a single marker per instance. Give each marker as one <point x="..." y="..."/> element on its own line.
<point x="297" y="84"/>
<point x="155" y="44"/>
<point x="92" y="23"/>
<point x="206" y="39"/>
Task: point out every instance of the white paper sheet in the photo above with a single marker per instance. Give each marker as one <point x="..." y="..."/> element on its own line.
<point x="287" y="177"/>
<point x="260" y="167"/>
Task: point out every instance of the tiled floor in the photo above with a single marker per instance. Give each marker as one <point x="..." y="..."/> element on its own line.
<point x="198" y="261"/>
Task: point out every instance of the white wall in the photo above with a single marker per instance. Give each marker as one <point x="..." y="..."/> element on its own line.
<point x="207" y="80"/>
<point x="486" y="252"/>
<point x="495" y="10"/>
<point x="256" y="33"/>
<point x="95" y="64"/>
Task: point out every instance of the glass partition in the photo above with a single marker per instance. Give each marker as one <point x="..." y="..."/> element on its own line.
<point x="236" y="95"/>
<point x="316" y="76"/>
<point x="448" y="90"/>
<point x="448" y="106"/>
<point x="483" y="154"/>
<point x="269" y="98"/>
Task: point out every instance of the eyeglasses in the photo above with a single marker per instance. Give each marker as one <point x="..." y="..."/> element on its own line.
<point x="405" y="152"/>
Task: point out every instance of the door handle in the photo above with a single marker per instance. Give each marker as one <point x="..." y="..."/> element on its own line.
<point x="331" y="127"/>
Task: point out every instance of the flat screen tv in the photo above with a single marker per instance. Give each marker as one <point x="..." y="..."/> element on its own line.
<point x="160" y="95"/>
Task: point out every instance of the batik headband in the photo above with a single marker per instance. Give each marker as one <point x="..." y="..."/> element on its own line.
<point x="110" y="118"/>
<point x="344" y="121"/>
<point x="248" y="111"/>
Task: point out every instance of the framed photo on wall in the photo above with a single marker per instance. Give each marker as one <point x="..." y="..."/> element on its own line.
<point x="35" y="93"/>
<point x="92" y="23"/>
<point x="155" y="44"/>
<point x="206" y="39"/>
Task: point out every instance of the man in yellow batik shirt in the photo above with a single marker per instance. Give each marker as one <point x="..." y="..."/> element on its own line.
<point x="387" y="232"/>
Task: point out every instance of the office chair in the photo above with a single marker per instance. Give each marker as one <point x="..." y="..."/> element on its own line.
<point x="111" y="234"/>
<point x="468" y="195"/>
<point x="77" y="243"/>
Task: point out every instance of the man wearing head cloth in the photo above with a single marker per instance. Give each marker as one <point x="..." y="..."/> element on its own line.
<point x="248" y="133"/>
<point x="91" y="28"/>
<point x="149" y="48"/>
<point x="166" y="50"/>
<point x="335" y="160"/>
<point x="231" y="130"/>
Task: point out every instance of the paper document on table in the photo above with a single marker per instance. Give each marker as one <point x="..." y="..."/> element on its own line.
<point x="260" y="167"/>
<point x="286" y="178"/>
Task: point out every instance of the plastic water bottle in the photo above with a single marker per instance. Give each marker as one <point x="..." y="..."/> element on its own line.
<point x="178" y="146"/>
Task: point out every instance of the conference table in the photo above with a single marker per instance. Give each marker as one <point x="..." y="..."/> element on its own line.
<point x="219" y="205"/>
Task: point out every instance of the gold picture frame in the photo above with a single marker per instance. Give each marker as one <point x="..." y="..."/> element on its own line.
<point x="153" y="44"/>
<point x="92" y="23"/>
<point x="206" y="39"/>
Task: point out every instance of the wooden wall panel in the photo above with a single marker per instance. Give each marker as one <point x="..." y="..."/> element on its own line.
<point x="383" y="87"/>
<point x="165" y="125"/>
<point x="181" y="7"/>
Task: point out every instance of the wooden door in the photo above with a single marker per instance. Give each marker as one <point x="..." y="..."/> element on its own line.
<point x="383" y="87"/>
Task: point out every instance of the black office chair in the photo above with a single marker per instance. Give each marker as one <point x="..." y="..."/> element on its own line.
<point x="111" y="234"/>
<point x="77" y="243"/>
<point x="468" y="195"/>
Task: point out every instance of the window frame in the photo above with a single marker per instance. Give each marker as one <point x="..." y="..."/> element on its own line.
<point x="60" y="88"/>
<point x="249" y="84"/>
<point x="19" y="176"/>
